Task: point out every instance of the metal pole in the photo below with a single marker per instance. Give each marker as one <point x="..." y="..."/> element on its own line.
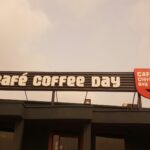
<point x="139" y="101"/>
<point x="53" y="98"/>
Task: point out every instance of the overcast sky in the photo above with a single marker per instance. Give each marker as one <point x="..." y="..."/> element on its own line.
<point x="75" y="35"/>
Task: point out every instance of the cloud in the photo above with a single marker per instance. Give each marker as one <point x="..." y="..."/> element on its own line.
<point x="81" y="7"/>
<point x="140" y="23"/>
<point x="19" y="26"/>
<point x="140" y="15"/>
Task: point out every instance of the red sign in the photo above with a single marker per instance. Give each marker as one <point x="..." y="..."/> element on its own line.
<point x="142" y="80"/>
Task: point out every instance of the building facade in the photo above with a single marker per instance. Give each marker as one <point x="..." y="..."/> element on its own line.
<point x="62" y="126"/>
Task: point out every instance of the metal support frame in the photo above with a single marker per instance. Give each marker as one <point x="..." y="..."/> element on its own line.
<point x="139" y="102"/>
<point x="53" y="98"/>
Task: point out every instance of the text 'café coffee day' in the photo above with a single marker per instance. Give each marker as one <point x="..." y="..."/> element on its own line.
<point x="59" y="81"/>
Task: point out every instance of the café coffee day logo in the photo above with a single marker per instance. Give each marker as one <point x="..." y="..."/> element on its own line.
<point x="142" y="80"/>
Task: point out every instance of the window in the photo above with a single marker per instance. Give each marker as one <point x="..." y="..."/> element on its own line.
<point x="68" y="143"/>
<point x="6" y="140"/>
<point x="65" y="142"/>
<point x="104" y="143"/>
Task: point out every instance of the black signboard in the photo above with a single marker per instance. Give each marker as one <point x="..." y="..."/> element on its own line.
<point x="68" y="81"/>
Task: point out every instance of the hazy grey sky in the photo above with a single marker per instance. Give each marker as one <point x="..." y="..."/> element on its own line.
<point x="75" y="35"/>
